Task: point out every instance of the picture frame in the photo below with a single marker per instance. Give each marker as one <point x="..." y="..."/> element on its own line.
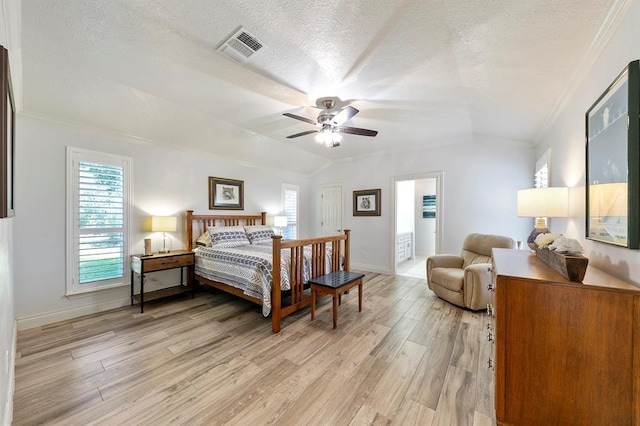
<point x="7" y="138"/>
<point x="226" y="194"/>
<point x="612" y="170"/>
<point x="366" y="202"/>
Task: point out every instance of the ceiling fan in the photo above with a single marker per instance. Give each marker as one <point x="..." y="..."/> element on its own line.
<point x="329" y="124"/>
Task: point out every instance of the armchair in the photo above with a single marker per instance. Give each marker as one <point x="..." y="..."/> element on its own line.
<point x="462" y="280"/>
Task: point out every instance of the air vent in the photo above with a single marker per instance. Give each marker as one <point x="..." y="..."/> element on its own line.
<point x="241" y="46"/>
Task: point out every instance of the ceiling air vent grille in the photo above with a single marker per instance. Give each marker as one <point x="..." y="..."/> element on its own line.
<point x="241" y="46"/>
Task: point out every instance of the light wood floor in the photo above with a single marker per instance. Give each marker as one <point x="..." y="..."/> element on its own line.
<point x="407" y="359"/>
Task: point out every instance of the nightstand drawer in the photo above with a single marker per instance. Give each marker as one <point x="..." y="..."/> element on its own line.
<point x="162" y="263"/>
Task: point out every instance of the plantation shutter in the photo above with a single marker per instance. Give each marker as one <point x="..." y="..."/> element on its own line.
<point x="541" y="177"/>
<point x="101" y="222"/>
<point x="290" y="205"/>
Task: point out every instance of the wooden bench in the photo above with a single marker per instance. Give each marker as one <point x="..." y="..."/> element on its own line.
<point x="335" y="283"/>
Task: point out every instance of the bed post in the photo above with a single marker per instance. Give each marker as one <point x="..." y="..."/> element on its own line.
<point x="264" y="217"/>
<point x="347" y="233"/>
<point x="189" y="229"/>
<point x="276" y="296"/>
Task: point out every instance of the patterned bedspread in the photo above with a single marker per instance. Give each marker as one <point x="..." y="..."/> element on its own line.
<point x="250" y="269"/>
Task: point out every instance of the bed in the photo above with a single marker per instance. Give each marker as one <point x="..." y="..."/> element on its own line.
<point x="284" y="289"/>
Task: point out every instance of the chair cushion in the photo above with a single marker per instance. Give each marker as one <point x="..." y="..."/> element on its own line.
<point x="449" y="278"/>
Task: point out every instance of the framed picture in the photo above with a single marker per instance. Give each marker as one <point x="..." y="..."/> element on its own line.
<point x="7" y="138"/>
<point x="613" y="162"/>
<point x="226" y="194"/>
<point x="428" y="206"/>
<point x="366" y="202"/>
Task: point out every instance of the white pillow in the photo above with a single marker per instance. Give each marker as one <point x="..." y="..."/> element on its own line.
<point x="228" y="236"/>
<point x="204" y="240"/>
<point x="259" y="234"/>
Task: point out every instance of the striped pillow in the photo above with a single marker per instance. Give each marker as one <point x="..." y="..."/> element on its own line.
<point x="227" y="236"/>
<point x="259" y="234"/>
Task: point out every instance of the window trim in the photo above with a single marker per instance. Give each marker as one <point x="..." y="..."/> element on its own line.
<point x="74" y="155"/>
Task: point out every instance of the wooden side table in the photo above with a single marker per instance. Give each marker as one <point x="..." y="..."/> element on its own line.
<point x="141" y="265"/>
<point x="335" y="283"/>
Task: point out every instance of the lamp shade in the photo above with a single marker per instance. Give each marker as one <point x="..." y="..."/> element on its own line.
<point x="164" y="223"/>
<point x="280" y="221"/>
<point x="543" y="202"/>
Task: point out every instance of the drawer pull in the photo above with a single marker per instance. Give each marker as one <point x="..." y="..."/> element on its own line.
<point x="171" y="263"/>
<point x="490" y="310"/>
<point x="490" y="363"/>
<point x="490" y="287"/>
<point x="490" y="337"/>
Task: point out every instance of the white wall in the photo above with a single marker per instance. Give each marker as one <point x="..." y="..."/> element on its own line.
<point x="480" y="183"/>
<point x="566" y="139"/>
<point x="164" y="181"/>
<point x="405" y="212"/>
<point x="425" y="237"/>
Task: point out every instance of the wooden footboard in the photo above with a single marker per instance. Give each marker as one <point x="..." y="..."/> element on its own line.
<point x="286" y="302"/>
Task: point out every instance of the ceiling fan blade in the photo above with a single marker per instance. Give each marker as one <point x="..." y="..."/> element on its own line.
<point x="297" y="117"/>
<point x="308" y="132"/>
<point x="345" y="114"/>
<point x="356" y="131"/>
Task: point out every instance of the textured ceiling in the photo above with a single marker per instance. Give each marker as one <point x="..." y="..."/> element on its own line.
<point x="421" y="72"/>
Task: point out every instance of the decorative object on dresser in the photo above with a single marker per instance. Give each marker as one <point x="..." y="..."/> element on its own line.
<point x="366" y="202"/>
<point x="562" y="254"/>
<point x="280" y="290"/>
<point x="164" y="224"/>
<point x="141" y="265"/>
<point x="463" y="280"/>
<point x="541" y="203"/>
<point x="565" y="352"/>
<point x="226" y="194"/>
<point x="613" y="162"/>
<point x="7" y="138"/>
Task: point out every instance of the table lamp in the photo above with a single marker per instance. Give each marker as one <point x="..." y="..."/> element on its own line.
<point x="542" y="203"/>
<point x="164" y="224"/>
<point x="280" y="222"/>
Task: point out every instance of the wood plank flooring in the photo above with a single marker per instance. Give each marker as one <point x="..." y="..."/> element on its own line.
<point x="408" y="358"/>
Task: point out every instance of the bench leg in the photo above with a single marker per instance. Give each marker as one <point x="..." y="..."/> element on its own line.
<point x="335" y="311"/>
<point x="360" y="297"/>
<point x="313" y="304"/>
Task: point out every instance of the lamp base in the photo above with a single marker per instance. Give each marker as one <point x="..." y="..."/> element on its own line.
<point x="164" y="245"/>
<point x="532" y="237"/>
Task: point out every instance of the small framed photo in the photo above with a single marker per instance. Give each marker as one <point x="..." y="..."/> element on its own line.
<point x="226" y="194"/>
<point x="366" y="202"/>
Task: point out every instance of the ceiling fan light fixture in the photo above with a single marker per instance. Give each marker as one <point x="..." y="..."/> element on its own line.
<point x="328" y="137"/>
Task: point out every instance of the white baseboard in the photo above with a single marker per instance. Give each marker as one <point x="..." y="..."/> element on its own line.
<point x="51" y="317"/>
<point x="369" y="268"/>
<point x="8" y="405"/>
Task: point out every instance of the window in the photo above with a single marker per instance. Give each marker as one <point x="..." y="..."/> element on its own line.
<point x="97" y="220"/>
<point x="290" y="195"/>
<point x="541" y="177"/>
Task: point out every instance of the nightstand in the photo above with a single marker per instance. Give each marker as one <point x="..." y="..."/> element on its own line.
<point x="162" y="262"/>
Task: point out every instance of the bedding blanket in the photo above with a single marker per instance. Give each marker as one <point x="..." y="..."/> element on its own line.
<point x="250" y="269"/>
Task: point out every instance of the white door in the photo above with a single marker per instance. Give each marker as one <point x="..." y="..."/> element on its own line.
<point x="331" y="210"/>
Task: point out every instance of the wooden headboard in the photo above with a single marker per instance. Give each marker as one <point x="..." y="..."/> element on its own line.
<point x="197" y="224"/>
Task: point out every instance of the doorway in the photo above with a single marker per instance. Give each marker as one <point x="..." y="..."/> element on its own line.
<point x="417" y="222"/>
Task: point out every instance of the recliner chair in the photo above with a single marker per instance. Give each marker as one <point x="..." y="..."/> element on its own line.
<point x="462" y="280"/>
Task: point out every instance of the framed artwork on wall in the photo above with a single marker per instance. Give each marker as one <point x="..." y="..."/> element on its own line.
<point x="366" y="202"/>
<point x="428" y="206"/>
<point x="226" y="194"/>
<point x="613" y="162"/>
<point x="7" y="138"/>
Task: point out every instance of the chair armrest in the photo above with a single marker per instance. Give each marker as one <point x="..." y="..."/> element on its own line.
<point x="476" y="279"/>
<point x="444" y="261"/>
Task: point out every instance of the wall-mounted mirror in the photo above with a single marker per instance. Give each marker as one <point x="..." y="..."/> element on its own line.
<point x="613" y="162"/>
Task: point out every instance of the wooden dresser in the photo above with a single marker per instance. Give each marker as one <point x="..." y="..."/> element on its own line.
<point x="566" y="353"/>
